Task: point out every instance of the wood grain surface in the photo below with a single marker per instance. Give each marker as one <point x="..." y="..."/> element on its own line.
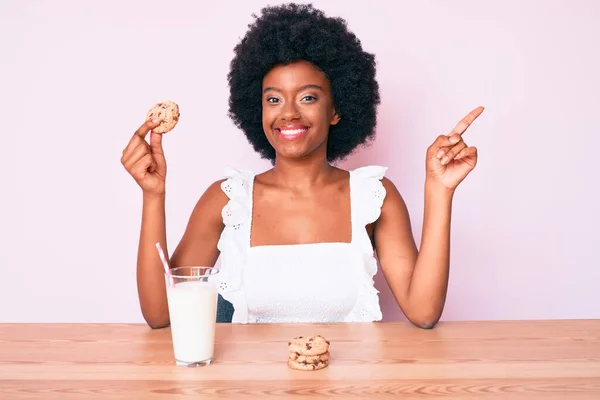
<point x="456" y="360"/>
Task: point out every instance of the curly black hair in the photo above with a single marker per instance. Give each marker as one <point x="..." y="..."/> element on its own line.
<point x="287" y="33"/>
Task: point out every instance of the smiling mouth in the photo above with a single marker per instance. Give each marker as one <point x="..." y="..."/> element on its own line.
<point x="292" y="133"/>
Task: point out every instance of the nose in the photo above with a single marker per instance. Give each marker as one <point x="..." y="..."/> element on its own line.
<point x="289" y="112"/>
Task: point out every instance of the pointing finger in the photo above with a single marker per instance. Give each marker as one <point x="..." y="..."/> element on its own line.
<point x="462" y="126"/>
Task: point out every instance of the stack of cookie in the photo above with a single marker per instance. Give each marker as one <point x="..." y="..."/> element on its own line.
<point x="308" y="353"/>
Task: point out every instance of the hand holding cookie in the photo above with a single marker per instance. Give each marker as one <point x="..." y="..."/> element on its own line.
<point x="145" y="161"/>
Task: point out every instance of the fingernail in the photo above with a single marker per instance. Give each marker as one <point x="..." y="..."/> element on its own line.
<point x="440" y="154"/>
<point x="453" y="139"/>
<point x="444" y="160"/>
<point x="155" y="120"/>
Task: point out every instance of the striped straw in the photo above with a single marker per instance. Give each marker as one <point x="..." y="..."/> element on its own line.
<point x="165" y="264"/>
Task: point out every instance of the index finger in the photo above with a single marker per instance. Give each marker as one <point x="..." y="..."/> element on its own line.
<point x="146" y="127"/>
<point x="462" y="126"/>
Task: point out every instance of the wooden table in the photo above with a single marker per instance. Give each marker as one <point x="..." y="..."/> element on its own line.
<point x="456" y="360"/>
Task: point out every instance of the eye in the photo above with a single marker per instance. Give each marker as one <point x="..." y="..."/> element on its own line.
<point x="309" y="98"/>
<point x="272" y="100"/>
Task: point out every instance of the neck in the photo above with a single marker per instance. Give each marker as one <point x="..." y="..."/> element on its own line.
<point x="301" y="173"/>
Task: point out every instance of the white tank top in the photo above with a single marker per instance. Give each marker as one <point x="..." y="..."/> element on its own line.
<point x="311" y="283"/>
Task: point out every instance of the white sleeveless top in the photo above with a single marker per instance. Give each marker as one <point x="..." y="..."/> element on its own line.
<point x="311" y="283"/>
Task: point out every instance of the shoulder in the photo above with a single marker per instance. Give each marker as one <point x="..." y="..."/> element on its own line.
<point x="374" y="176"/>
<point x="214" y="194"/>
<point x="392" y="192"/>
<point x="394" y="207"/>
<point x="234" y="184"/>
<point x="374" y="179"/>
<point x="209" y="205"/>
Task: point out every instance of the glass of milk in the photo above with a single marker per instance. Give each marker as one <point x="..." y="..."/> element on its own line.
<point x="192" y="298"/>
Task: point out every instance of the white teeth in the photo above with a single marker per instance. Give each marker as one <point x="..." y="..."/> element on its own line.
<point x="291" y="132"/>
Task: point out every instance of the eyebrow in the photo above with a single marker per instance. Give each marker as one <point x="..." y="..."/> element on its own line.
<point x="310" y="86"/>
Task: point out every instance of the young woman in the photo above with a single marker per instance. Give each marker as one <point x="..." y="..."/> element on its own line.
<point x="296" y="243"/>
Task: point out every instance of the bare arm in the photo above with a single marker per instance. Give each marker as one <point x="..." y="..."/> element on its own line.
<point x="418" y="279"/>
<point x="150" y="273"/>
<point x="197" y="247"/>
<point x="146" y="163"/>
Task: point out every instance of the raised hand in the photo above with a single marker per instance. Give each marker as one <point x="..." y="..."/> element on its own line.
<point x="449" y="158"/>
<point x="145" y="161"/>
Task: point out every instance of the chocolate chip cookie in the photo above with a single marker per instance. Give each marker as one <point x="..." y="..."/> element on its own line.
<point x="309" y="359"/>
<point x="167" y="112"/>
<point x="309" y="353"/>
<point x="309" y="346"/>
<point x="307" y="366"/>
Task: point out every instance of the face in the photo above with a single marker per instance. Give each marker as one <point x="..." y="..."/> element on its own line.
<point x="297" y="110"/>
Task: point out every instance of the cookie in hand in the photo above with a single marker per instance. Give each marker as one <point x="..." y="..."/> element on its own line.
<point x="167" y="112"/>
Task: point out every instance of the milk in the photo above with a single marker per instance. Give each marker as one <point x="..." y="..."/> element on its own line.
<point x="193" y="312"/>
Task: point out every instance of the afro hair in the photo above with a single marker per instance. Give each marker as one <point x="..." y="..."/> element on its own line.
<point x="287" y="33"/>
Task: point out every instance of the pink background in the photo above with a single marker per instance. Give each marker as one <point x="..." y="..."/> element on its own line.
<point x="78" y="77"/>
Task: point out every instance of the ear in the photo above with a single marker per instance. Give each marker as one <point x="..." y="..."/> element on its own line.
<point x="335" y="118"/>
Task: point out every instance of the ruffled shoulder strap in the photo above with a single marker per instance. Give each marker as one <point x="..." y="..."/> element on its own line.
<point x="366" y="198"/>
<point x="235" y="239"/>
<point x="367" y="195"/>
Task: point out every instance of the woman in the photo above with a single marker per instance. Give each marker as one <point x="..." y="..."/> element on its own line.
<point x="296" y="243"/>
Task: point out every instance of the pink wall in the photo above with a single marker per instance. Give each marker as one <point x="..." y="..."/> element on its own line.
<point x="78" y="77"/>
